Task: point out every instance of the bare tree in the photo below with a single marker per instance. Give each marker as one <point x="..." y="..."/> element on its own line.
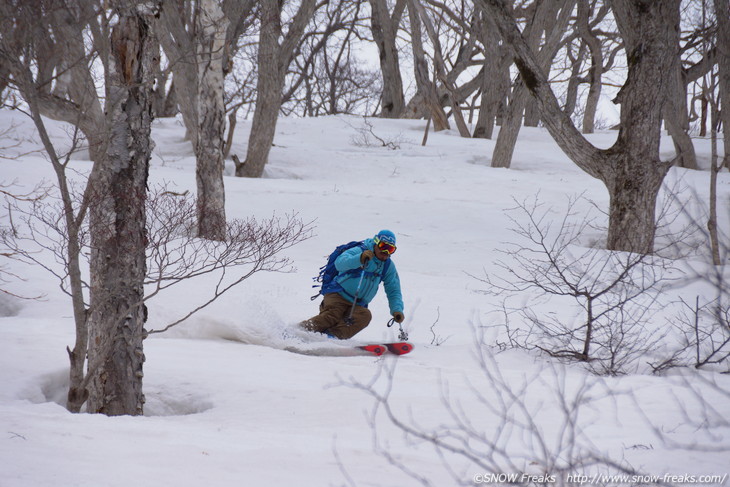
<point x="199" y="40"/>
<point x="384" y="26"/>
<point x="575" y="54"/>
<point x="326" y="77"/>
<point x="7" y="94"/>
<point x="187" y="41"/>
<point x="118" y="185"/>
<point x="211" y="27"/>
<point x="722" y="13"/>
<point x="595" y="50"/>
<point x="174" y="256"/>
<point x="614" y="293"/>
<point x="495" y="76"/>
<point x="703" y="324"/>
<point x="7" y="308"/>
<point x="274" y="58"/>
<point x="676" y="118"/>
<point x="589" y="52"/>
<point x="25" y="40"/>
<point x="453" y="29"/>
<point x="713" y="229"/>
<point x="703" y="327"/>
<point x="117" y="219"/>
<point x="700" y="58"/>
<point x="694" y="45"/>
<point x="632" y="169"/>
<point x="110" y="324"/>
<point x="336" y="86"/>
<point x="550" y="17"/>
<point x="497" y="427"/>
<point x="491" y="431"/>
<point x="52" y="34"/>
<point x="426" y="90"/>
<point x="440" y="66"/>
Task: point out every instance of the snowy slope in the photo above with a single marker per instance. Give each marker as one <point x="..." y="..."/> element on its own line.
<point x="226" y="406"/>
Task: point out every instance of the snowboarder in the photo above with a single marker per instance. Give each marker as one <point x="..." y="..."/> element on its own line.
<point x="355" y="276"/>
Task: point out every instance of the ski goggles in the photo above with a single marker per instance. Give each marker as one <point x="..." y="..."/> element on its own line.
<point x="386" y="247"/>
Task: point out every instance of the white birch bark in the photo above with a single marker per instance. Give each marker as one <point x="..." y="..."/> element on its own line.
<point x="722" y="12"/>
<point x="118" y="221"/>
<point x="197" y="38"/>
<point x="211" y="46"/>
<point x="273" y="61"/>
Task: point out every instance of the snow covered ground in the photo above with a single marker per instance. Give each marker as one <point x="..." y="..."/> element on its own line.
<point x="227" y="406"/>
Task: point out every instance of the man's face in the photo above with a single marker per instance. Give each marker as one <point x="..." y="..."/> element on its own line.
<point x="381" y="255"/>
<point x="383" y="249"/>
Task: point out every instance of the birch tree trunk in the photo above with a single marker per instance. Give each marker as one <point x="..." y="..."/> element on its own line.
<point x="676" y="118"/>
<point x="384" y="29"/>
<point x="560" y="11"/>
<point x="511" y="124"/>
<point x="631" y="170"/>
<point x="64" y="87"/>
<point x="532" y="113"/>
<point x="118" y="220"/>
<point x="177" y="36"/>
<point x="441" y="70"/>
<point x="273" y="61"/>
<point x="722" y="13"/>
<point x="712" y="227"/>
<point x="426" y="100"/>
<point x="595" y="72"/>
<point x="23" y="78"/>
<point x="268" y="93"/>
<point x="495" y="84"/>
<point x="504" y="148"/>
<point x="198" y="37"/>
<point x="574" y="81"/>
<point x="211" y="26"/>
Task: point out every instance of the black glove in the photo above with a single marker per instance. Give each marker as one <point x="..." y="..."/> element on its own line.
<point x="398" y="317"/>
<point x="366" y="256"/>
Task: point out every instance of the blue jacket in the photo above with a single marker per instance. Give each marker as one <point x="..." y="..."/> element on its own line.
<point x="350" y="259"/>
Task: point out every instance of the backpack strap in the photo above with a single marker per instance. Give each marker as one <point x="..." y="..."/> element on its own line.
<point x="325" y="280"/>
<point x="332" y="286"/>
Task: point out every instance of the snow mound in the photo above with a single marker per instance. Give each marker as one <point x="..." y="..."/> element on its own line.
<point x="161" y="401"/>
<point x="165" y="403"/>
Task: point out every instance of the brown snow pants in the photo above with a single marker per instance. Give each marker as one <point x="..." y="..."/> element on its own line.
<point x="332" y="318"/>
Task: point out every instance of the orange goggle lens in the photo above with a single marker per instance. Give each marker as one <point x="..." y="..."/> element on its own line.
<point x="386" y="247"/>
